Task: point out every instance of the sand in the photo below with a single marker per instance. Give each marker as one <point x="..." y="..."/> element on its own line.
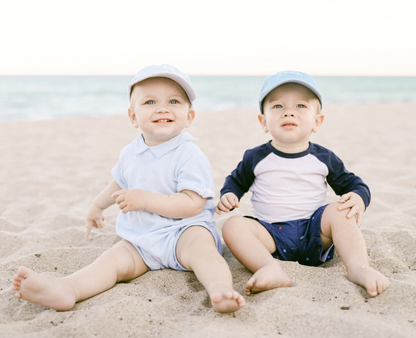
<point x="51" y="171"/>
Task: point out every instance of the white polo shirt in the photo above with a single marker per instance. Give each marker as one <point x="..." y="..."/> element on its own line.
<point x="167" y="168"/>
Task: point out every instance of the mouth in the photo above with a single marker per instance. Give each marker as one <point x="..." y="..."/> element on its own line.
<point x="289" y="125"/>
<point x="163" y="121"/>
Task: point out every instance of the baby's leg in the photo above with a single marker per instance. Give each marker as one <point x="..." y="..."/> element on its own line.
<point x="196" y="251"/>
<point x="252" y="245"/>
<point x="122" y="262"/>
<point x="348" y="240"/>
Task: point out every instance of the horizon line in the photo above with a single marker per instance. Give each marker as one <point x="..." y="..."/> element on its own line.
<point x="208" y="75"/>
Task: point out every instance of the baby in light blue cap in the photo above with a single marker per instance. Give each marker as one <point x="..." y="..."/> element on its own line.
<point x="288" y="179"/>
<point x="164" y="188"/>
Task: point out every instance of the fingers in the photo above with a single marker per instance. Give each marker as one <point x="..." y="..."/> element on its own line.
<point x="96" y="224"/>
<point x="356" y="205"/>
<point x="120" y="197"/>
<point x="345" y="202"/>
<point x="221" y="207"/>
<point x="227" y="203"/>
<point x="116" y="194"/>
<point x="345" y="198"/>
<point x="353" y="211"/>
<point x="359" y="218"/>
<point x="123" y="206"/>
<point x="125" y="209"/>
<point x="89" y="228"/>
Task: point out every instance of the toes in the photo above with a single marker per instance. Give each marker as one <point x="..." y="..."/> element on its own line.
<point x="228" y="301"/>
<point x="372" y="289"/>
<point x="376" y="288"/>
<point x="261" y="284"/>
<point x="18" y="295"/>
<point x="228" y="295"/>
<point x="23" y="272"/>
<point x="236" y="295"/>
<point x="216" y="297"/>
<point x="250" y="283"/>
<point x="17" y="278"/>
<point x="382" y="285"/>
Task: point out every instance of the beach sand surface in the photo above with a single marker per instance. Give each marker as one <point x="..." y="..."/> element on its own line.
<point x="51" y="171"/>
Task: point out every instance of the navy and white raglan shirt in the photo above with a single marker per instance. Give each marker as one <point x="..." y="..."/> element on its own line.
<point x="288" y="187"/>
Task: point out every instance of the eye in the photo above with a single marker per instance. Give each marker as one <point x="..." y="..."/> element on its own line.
<point x="150" y="102"/>
<point x="173" y="101"/>
<point x="277" y="106"/>
<point x="300" y="106"/>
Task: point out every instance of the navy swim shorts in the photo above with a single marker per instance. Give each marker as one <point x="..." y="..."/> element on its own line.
<point x="299" y="240"/>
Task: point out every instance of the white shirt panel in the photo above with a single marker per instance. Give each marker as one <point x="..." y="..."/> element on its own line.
<point x="288" y="189"/>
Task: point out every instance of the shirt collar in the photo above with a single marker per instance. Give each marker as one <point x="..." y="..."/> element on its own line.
<point x="163" y="148"/>
<point x="289" y="155"/>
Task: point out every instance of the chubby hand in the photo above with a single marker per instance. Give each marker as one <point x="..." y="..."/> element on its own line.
<point x="355" y="203"/>
<point x="227" y="202"/>
<point x="130" y="199"/>
<point x="94" y="219"/>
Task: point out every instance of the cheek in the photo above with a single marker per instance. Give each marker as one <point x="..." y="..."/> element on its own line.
<point x="271" y="121"/>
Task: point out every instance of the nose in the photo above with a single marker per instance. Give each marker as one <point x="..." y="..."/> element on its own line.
<point x="162" y="109"/>
<point x="287" y="113"/>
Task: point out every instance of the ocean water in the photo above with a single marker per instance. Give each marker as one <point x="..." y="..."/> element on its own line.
<point x="50" y="97"/>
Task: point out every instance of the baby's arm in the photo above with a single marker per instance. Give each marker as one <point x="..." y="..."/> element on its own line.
<point x="355" y="203"/>
<point x="101" y="202"/>
<point x="227" y="202"/>
<point x="184" y="204"/>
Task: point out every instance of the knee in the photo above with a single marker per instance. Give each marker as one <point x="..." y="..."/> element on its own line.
<point x="231" y="227"/>
<point x="335" y="217"/>
<point x="120" y="256"/>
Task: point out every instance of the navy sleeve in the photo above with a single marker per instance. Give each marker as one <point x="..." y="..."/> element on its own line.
<point x="340" y="179"/>
<point x="241" y="179"/>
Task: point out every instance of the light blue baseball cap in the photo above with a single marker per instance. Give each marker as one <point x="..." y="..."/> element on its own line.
<point x="167" y="71"/>
<point x="288" y="76"/>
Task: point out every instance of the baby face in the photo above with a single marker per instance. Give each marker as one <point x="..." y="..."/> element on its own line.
<point x="291" y="114"/>
<point x="161" y="109"/>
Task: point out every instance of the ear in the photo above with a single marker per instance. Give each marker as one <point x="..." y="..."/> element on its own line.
<point x="262" y="120"/>
<point x="190" y="117"/>
<point x="133" y="118"/>
<point x="319" y="119"/>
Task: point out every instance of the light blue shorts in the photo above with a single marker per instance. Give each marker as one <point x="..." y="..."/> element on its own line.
<point x="162" y="254"/>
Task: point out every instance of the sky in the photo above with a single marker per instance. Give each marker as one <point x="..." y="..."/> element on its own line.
<point x="213" y="37"/>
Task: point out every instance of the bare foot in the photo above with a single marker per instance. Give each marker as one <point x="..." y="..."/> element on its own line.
<point x="225" y="299"/>
<point x="268" y="277"/>
<point x="371" y="279"/>
<point x="48" y="291"/>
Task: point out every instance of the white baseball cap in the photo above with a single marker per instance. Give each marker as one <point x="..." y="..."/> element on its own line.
<point x="169" y="72"/>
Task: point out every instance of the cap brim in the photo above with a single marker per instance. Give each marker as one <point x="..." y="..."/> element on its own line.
<point x="179" y="80"/>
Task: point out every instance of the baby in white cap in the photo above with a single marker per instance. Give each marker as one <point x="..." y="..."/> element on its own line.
<point x="164" y="188"/>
